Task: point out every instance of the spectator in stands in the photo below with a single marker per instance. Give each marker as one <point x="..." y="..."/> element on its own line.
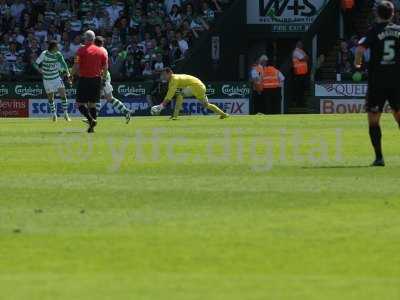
<point x="90" y="21"/>
<point x="199" y="24"/>
<point x="183" y="44"/>
<point x="147" y="71"/>
<point x="130" y="66"/>
<point x="4" y="8"/>
<point x="123" y="27"/>
<point x="159" y="64"/>
<point x="114" y="10"/>
<point x="52" y="34"/>
<point x="14" y="61"/>
<point x="170" y="3"/>
<point x="68" y="53"/>
<point x="85" y="7"/>
<point x="32" y="48"/>
<point x="188" y="32"/>
<point x="136" y="19"/>
<point x="76" y="44"/>
<point x="344" y="62"/>
<point x="50" y="15"/>
<point x="65" y="39"/>
<point x="18" y="36"/>
<point x="64" y="13"/>
<point x="175" y="52"/>
<point x="30" y="60"/>
<point x="4" y="68"/>
<point x="352" y="44"/>
<point x="12" y="54"/>
<point x="175" y="15"/>
<point x="40" y="32"/>
<point x="26" y="22"/>
<point x="187" y="12"/>
<point x="104" y="21"/>
<point x="116" y="63"/>
<point x="16" y="9"/>
<point x="4" y="44"/>
<point x="208" y="13"/>
<point x="76" y="25"/>
<point x="19" y="67"/>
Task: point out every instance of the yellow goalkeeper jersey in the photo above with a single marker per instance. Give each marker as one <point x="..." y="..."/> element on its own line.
<point x="182" y="81"/>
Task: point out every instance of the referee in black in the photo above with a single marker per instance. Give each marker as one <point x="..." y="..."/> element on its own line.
<point x="91" y="63"/>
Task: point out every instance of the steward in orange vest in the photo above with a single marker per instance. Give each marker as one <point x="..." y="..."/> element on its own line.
<point x="268" y="101"/>
<point x="300" y="72"/>
<point x="270" y="78"/>
<point x="300" y="64"/>
<point x="272" y="82"/>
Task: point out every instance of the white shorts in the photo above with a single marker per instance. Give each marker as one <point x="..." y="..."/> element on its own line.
<point x="107" y="89"/>
<point x="185" y="92"/>
<point x="52" y="86"/>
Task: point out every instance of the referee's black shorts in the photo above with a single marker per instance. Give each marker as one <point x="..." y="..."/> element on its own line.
<point x="88" y="90"/>
<point x="377" y="97"/>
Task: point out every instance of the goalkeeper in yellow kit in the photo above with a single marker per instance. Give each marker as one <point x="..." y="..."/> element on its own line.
<point x="181" y="85"/>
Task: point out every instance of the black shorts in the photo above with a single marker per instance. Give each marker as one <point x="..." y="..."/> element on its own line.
<point x="88" y="90"/>
<point x="377" y="97"/>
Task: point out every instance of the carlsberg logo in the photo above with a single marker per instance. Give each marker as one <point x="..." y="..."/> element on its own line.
<point x="3" y="91"/>
<point x="27" y="91"/>
<point x="210" y="90"/>
<point x="231" y="91"/>
<point x="131" y="90"/>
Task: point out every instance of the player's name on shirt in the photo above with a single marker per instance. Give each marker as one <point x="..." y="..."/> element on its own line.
<point x="389" y="33"/>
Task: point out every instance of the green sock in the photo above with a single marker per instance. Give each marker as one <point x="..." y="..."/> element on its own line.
<point x="119" y="105"/>
<point x="64" y="103"/>
<point x="52" y="106"/>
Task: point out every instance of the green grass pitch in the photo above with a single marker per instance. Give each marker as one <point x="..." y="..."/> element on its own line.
<point x="279" y="207"/>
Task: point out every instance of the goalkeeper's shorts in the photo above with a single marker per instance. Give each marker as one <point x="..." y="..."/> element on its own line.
<point x="199" y="92"/>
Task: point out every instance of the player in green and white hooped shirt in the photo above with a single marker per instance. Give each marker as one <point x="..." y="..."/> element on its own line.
<point x="50" y="64"/>
<point x="108" y="89"/>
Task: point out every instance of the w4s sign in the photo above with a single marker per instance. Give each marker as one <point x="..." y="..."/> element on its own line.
<point x="276" y="12"/>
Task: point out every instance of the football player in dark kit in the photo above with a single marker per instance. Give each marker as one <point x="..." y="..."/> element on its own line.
<point x="383" y="40"/>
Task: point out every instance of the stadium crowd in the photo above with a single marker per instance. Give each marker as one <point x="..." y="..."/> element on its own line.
<point x="142" y="36"/>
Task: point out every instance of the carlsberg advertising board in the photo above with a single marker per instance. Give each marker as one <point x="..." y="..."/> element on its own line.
<point x="232" y="97"/>
<point x="4" y="91"/>
<point x="127" y="90"/>
<point x="30" y="91"/>
<point x="284" y="15"/>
